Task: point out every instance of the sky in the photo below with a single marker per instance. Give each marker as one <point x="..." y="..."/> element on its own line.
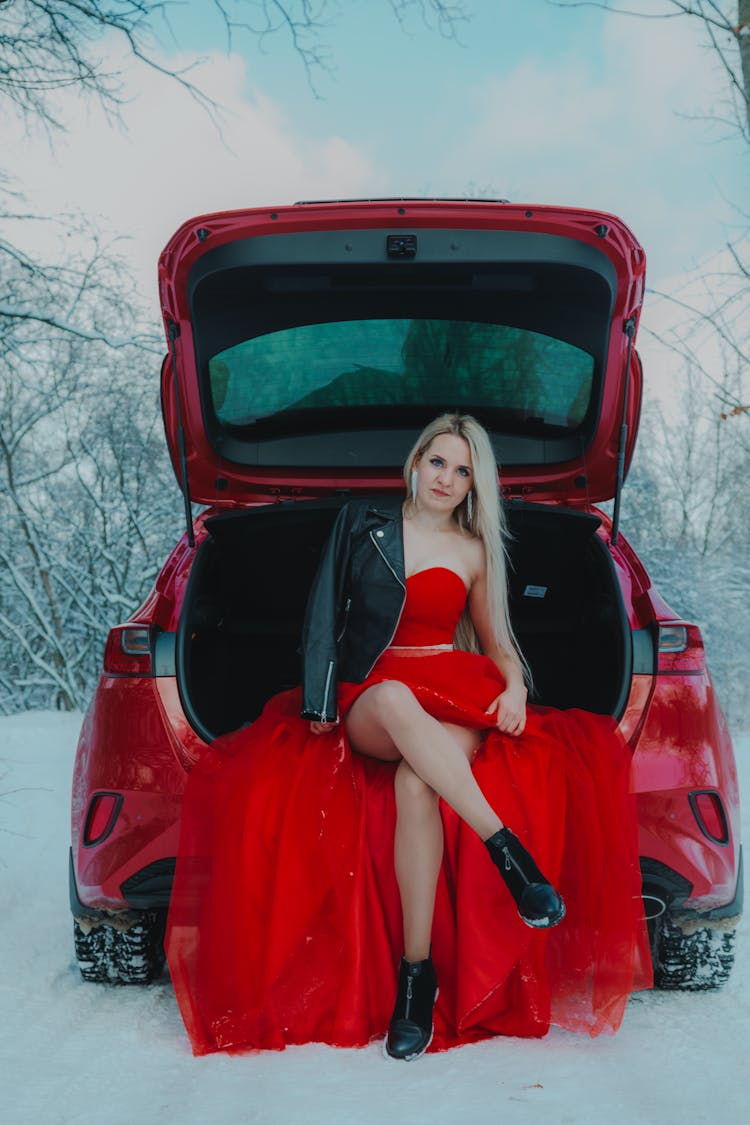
<point x="532" y="103"/>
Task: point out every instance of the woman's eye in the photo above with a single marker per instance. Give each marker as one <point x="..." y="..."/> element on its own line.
<point x="464" y="472"/>
<point x="436" y="461"/>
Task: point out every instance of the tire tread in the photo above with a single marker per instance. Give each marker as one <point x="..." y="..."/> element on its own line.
<point x="107" y="955"/>
<point x="692" y="959"/>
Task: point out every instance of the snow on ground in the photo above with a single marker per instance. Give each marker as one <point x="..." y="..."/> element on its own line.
<point x="80" y="1054"/>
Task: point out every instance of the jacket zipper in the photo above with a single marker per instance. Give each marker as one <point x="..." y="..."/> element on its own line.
<point x="324" y="709"/>
<point x="342" y="630"/>
<point x="378" y="548"/>
<point x="327" y="688"/>
<point x="509" y="861"/>
<point x="384" y="557"/>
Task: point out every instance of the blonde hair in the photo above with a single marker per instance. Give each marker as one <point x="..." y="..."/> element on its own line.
<point x="486" y="522"/>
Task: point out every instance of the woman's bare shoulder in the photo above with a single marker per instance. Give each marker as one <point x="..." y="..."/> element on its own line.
<point x="472" y="553"/>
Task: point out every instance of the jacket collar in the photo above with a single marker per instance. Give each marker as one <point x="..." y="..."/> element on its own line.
<point x="388" y="511"/>
<point x="389" y="507"/>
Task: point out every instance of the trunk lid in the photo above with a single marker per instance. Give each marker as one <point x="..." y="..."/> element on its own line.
<point x="309" y="345"/>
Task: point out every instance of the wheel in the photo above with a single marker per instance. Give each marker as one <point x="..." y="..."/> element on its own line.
<point x="112" y="954"/>
<point x="693" y="956"/>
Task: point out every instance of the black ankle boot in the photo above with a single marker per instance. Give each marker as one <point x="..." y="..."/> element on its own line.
<point x="410" y="1031"/>
<point x="538" y="902"/>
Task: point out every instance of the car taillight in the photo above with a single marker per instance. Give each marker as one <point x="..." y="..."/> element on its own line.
<point x="681" y="649"/>
<point x="100" y="819"/>
<point x="128" y="651"/>
<point x="709" y="812"/>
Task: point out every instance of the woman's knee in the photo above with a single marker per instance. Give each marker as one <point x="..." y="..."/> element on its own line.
<point x="411" y="789"/>
<point x="392" y="699"/>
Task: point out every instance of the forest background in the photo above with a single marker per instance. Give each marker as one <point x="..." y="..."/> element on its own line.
<point x="121" y="118"/>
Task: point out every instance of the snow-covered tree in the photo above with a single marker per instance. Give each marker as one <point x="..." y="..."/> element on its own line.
<point x="87" y="500"/>
<point x="687" y="512"/>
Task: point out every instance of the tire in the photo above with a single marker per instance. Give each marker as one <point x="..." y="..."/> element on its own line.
<point x="108" y="954"/>
<point x="691" y="956"/>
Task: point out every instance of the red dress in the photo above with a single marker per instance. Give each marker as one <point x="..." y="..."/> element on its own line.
<point x="285" y="923"/>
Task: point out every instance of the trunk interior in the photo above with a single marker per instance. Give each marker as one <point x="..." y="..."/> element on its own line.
<point x="238" y="640"/>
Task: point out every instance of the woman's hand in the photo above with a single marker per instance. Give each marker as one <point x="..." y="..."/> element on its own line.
<point x="322" y="728"/>
<point x="510" y="710"/>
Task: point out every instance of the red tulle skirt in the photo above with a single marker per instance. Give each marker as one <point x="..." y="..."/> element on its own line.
<point x="285" y="922"/>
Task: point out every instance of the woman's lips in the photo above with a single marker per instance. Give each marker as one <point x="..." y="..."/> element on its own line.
<point x="439" y="492"/>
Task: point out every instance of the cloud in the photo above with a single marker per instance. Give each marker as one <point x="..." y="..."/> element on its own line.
<point x="611" y="128"/>
<point x="169" y="161"/>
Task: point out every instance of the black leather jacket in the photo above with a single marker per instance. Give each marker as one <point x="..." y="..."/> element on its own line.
<point x="355" y="602"/>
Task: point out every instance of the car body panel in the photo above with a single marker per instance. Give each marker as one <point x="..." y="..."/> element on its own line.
<point x="125" y="747"/>
<point x="684" y="747"/>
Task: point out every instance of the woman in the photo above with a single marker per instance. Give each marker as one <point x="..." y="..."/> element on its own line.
<point x="320" y="858"/>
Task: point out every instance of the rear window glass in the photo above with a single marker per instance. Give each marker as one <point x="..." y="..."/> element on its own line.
<point x="411" y="362"/>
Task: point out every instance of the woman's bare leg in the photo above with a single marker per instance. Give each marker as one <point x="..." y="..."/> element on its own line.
<point x="418" y="854"/>
<point x="387" y="722"/>
<point x="418" y="848"/>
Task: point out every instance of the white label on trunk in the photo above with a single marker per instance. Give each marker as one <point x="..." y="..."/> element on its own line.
<point x="535" y="592"/>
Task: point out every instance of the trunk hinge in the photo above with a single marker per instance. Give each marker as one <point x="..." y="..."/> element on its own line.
<point x="629" y="330"/>
<point x="173" y="332"/>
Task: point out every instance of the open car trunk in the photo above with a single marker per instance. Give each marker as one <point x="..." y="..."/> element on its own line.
<point x="310" y="345"/>
<point x="240" y="627"/>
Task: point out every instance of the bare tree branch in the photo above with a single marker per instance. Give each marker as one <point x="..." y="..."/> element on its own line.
<point x="710" y="319"/>
<point x="50" y="45"/>
<point x="730" y="23"/>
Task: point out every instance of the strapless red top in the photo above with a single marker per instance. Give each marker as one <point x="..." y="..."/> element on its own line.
<point x="435" y="599"/>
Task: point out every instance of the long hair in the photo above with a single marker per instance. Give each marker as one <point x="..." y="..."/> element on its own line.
<point x="486" y="522"/>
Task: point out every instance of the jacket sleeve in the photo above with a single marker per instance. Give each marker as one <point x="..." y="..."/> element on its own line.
<point x="319" y="641"/>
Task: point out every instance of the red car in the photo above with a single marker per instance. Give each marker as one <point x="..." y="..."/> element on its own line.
<point x="307" y="347"/>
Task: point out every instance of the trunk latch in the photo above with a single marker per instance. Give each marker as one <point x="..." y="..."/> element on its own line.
<point x="401" y="245"/>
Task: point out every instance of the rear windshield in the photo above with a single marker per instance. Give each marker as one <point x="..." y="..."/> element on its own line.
<point x="515" y="374"/>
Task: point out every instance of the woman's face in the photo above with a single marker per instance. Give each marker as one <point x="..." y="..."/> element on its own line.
<point x="444" y="473"/>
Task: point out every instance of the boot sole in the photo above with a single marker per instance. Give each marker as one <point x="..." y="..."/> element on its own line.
<point x="545" y="923"/>
<point x="414" y="1054"/>
<point x="405" y="1058"/>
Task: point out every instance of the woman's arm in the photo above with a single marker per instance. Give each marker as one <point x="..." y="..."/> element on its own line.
<point x="509" y="708"/>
